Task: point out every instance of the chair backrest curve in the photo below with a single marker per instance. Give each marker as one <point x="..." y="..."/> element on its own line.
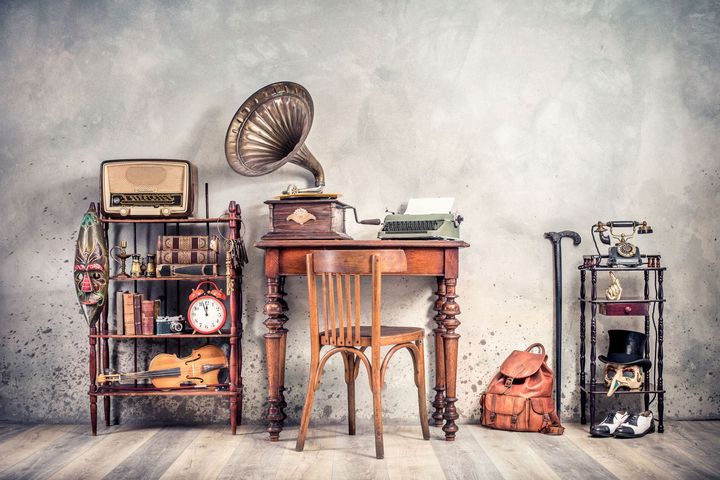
<point x="336" y="310"/>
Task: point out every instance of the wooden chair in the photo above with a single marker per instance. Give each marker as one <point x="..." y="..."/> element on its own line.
<point x="335" y="322"/>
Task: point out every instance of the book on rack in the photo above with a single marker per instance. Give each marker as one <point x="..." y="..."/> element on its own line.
<point x="128" y="314"/>
<point x="186" y="270"/>
<point x="186" y="242"/>
<point x="148" y="317"/>
<point x="119" y="315"/>
<point x="137" y="299"/>
<point x="187" y="256"/>
<point x="156" y="311"/>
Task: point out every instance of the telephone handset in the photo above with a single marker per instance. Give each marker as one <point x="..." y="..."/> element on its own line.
<point x="623" y="252"/>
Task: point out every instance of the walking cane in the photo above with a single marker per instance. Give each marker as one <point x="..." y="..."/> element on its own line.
<point x="555" y="238"/>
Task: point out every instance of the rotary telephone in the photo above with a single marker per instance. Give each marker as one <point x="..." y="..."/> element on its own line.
<point x="623" y="253"/>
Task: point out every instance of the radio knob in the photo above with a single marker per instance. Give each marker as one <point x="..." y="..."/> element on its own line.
<point x="165" y="211"/>
<point x="124" y="211"/>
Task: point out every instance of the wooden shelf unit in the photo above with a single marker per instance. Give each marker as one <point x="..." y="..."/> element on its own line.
<point x="100" y="335"/>
<point x="617" y="308"/>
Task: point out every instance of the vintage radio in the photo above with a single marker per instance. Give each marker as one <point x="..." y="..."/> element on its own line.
<point x="148" y="188"/>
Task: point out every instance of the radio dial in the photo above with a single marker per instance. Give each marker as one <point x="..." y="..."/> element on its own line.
<point x="124" y="211"/>
<point x="165" y="211"/>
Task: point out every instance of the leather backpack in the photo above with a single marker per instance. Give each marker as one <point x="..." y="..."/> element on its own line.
<point x="520" y="395"/>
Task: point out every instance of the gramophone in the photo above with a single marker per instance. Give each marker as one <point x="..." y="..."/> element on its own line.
<point x="268" y="131"/>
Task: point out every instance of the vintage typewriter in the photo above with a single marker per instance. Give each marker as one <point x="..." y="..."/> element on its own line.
<point x="431" y="226"/>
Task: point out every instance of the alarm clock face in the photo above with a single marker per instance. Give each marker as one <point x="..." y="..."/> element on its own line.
<point x="206" y="314"/>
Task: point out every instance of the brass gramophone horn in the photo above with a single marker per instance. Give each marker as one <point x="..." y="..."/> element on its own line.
<point x="269" y="130"/>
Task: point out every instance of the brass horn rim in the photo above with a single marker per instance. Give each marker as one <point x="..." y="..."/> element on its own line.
<point x="252" y="104"/>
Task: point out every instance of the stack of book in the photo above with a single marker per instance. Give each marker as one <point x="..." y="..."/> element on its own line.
<point x="183" y="255"/>
<point x="135" y="315"/>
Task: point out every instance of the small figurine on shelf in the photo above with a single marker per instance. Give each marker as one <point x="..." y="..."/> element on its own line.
<point x="120" y="257"/>
<point x="614" y="291"/>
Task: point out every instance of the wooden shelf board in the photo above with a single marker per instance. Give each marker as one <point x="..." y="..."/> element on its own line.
<point x="159" y="393"/>
<point x="630" y="300"/>
<point x="167" y="220"/>
<point x="164" y="279"/>
<point x="174" y="335"/>
<point x="600" y="388"/>
<point x="622" y="269"/>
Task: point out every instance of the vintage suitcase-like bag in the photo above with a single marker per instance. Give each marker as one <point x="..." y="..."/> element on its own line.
<point x="520" y="395"/>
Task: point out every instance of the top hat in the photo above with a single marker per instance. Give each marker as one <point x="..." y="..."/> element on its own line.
<point x="626" y="348"/>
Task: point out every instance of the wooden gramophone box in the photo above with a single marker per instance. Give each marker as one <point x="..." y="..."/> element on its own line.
<point x="303" y="219"/>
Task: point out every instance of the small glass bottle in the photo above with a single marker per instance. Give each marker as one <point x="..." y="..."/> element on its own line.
<point x="136" y="266"/>
<point x="150" y="268"/>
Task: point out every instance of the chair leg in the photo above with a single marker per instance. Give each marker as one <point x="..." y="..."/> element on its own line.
<point x="420" y="382"/>
<point x="377" y="410"/>
<point x="350" y="362"/>
<point x="307" y="409"/>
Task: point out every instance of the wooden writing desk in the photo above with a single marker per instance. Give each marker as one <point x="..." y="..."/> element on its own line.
<point x="434" y="258"/>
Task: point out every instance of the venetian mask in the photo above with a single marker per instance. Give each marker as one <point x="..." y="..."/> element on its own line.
<point x="91" y="266"/>
<point x="628" y="376"/>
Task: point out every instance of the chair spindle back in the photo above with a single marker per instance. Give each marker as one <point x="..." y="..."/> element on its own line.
<point x="337" y="311"/>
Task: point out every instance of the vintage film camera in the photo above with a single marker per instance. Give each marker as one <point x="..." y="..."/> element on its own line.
<point x="166" y="325"/>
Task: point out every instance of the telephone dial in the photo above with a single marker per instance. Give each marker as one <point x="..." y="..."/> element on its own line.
<point x="623" y="253"/>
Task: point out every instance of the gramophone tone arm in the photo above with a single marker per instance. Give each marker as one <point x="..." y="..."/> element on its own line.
<point x="307" y="160"/>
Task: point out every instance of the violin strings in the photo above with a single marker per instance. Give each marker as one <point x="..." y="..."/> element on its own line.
<point x="167" y="372"/>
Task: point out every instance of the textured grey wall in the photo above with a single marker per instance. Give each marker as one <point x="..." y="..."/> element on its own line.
<point x="537" y="116"/>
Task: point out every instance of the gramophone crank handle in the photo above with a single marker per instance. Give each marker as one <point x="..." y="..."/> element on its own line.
<point x="370" y="221"/>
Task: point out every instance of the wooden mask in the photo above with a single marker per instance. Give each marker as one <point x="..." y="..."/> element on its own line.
<point x="91" y="268"/>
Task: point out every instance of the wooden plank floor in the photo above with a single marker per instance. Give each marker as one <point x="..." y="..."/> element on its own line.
<point x="686" y="450"/>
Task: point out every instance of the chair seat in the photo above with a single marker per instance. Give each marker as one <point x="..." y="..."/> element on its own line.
<point x="388" y="336"/>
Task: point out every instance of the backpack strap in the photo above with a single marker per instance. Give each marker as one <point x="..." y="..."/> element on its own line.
<point x="539" y="347"/>
<point x="551" y="424"/>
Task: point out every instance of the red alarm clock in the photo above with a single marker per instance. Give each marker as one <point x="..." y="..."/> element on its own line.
<point x="206" y="313"/>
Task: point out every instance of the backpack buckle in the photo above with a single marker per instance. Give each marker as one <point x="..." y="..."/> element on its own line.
<point x="509" y="382"/>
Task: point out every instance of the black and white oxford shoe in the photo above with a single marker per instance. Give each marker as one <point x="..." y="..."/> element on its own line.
<point x="609" y="425"/>
<point x="637" y="425"/>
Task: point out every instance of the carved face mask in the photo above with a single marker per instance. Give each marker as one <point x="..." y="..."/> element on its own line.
<point x="616" y="376"/>
<point x="91" y="266"/>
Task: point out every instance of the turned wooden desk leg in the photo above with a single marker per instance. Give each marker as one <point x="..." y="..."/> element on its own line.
<point x="281" y="352"/>
<point x="450" y="310"/>
<point x="273" y="339"/>
<point x="93" y="388"/>
<point x="439" y="401"/>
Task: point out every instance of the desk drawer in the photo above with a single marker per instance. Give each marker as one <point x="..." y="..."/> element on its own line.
<point x="624" y="309"/>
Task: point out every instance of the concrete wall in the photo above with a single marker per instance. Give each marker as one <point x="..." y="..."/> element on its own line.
<point x="537" y="116"/>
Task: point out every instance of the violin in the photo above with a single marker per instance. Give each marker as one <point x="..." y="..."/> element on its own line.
<point x="200" y="368"/>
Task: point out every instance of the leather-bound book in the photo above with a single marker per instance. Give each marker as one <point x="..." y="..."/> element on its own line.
<point x="119" y="316"/>
<point x="186" y="257"/>
<point x="182" y="270"/>
<point x="183" y="242"/>
<point x="156" y="310"/>
<point x="137" y="312"/>
<point x="148" y="317"/>
<point x="128" y="313"/>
